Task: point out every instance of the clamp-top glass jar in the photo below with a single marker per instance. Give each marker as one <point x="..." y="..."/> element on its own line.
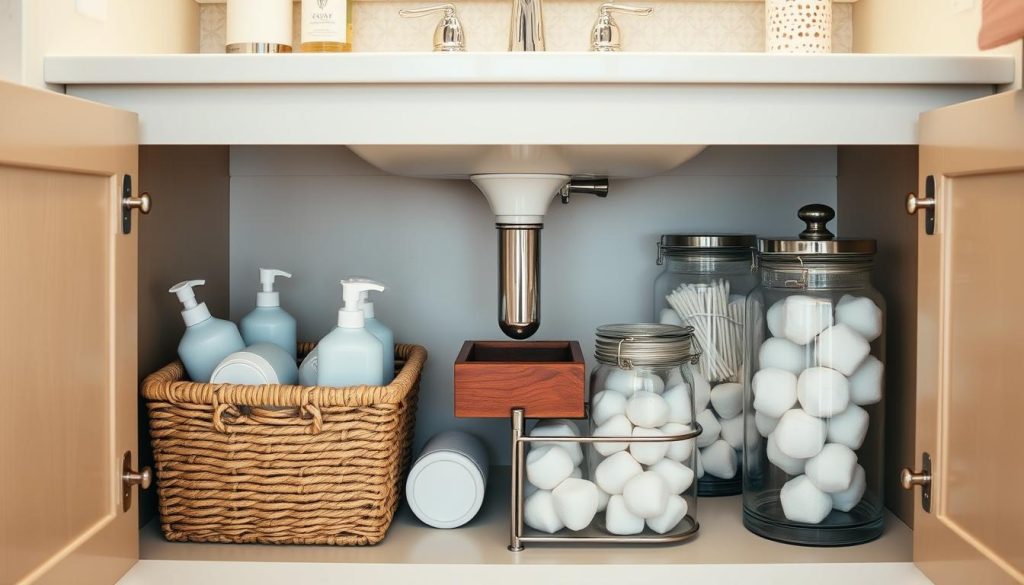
<point x="642" y="389"/>
<point x="704" y="286"/>
<point x="813" y="401"/>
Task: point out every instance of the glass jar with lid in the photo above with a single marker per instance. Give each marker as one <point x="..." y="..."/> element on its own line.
<point x="704" y="286"/>
<point x="641" y="391"/>
<point x="813" y="400"/>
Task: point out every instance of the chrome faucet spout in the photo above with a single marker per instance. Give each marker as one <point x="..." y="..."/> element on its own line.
<point x="526" y="32"/>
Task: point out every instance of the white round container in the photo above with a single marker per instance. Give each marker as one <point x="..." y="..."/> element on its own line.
<point x="259" y="26"/>
<point x="309" y="368"/>
<point x="260" y="363"/>
<point x="446" y="485"/>
<point x="798" y="26"/>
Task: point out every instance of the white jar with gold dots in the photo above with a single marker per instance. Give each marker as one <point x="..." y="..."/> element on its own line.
<point x="798" y="26"/>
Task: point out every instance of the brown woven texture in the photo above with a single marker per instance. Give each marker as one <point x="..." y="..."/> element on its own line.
<point x="281" y="464"/>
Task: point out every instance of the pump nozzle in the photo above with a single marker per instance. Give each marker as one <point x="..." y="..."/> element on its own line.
<point x="366" y="304"/>
<point x="194" y="312"/>
<point x="268" y="297"/>
<point x="352" y="290"/>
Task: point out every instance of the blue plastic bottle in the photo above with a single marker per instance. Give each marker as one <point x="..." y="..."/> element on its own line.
<point x="268" y="322"/>
<point x="382" y="332"/>
<point x="350" y="355"/>
<point x="207" y="340"/>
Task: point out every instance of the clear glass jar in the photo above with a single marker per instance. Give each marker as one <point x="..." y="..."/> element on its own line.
<point x="704" y="286"/>
<point x="813" y="452"/>
<point x="642" y="389"/>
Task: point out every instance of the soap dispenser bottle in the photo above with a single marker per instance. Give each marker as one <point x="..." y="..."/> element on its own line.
<point x="350" y="355"/>
<point x="268" y="322"/>
<point x="382" y="332"/>
<point x="207" y="340"/>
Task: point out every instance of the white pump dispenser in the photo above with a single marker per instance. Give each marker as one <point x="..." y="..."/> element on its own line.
<point x="268" y="322"/>
<point x="382" y="332"/>
<point x="350" y="355"/>
<point x="207" y="340"/>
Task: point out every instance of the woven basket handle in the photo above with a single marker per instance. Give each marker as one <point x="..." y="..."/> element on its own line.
<point x="307" y="415"/>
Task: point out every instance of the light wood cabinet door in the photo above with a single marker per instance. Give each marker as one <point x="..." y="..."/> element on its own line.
<point x="68" y="311"/>
<point x="970" y="395"/>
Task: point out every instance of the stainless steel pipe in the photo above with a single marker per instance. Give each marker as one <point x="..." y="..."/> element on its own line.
<point x="519" y="279"/>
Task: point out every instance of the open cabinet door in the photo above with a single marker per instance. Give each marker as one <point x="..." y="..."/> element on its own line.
<point x="970" y="394"/>
<point x="68" y="311"/>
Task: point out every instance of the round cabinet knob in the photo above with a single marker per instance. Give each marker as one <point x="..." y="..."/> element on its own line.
<point x="142" y="203"/>
<point x="909" y="478"/>
<point x="913" y="203"/>
<point x="816" y="216"/>
<point x="142" y="478"/>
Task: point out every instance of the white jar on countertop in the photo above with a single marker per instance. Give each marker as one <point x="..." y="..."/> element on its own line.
<point x="798" y="26"/>
<point x="447" y="482"/>
<point x="259" y="26"/>
<point x="813" y="449"/>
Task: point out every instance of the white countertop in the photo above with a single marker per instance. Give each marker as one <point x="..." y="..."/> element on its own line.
<point x="530" y="98"/>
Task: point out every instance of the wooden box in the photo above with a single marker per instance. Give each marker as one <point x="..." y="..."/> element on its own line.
<point x="546" y="378"/>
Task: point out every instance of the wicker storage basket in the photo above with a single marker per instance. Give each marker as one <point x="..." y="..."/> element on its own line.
<point x="323" y="467"/>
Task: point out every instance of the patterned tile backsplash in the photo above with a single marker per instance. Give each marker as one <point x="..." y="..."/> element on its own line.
<point x="675" y="25"/>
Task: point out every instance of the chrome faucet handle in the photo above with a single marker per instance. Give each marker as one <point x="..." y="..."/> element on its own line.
<point x="606" y="36"/>
<point x="449" y="35"/>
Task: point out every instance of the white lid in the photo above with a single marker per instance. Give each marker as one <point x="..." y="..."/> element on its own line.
<point x="268" y="297"/>
<point x="244" y="367"/>
<point x="445" y="489"/>
<point x="351" y="314"/>
<point x="194" y="312"/>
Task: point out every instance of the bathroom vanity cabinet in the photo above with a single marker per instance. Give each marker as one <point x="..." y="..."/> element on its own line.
<point x="82" y="271"/>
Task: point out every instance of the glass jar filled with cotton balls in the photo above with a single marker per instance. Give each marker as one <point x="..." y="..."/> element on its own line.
<point x="704" y="286"/>
<point x="644" y="485"/>
<point x="816" y="339"/>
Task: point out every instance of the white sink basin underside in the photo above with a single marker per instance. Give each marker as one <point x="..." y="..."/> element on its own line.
<point x="462" y="161"/>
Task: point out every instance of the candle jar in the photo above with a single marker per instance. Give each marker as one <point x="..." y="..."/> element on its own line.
<point x="813" y="452"/>
<point x="704" y="286"/>
<point x="798" y="26"/>
<point x="259" y="26"/>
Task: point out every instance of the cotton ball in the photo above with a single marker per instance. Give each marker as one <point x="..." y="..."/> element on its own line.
<point x="832" y="469"/>
<point x="710" y="426"/>
<point x="648" y="453"/>
<point x="677" y="476"/>
<point x="727" y="398"/>
<point x="547" y="466"/>
<point x="800" y="435"/>
<point x="629" y="381"/>
<point x="674" y="513"/>
<point x="678" y="450"/>
<point x="781" y="353"/>
<point x="848" y="499"/>
<point x="750" y="433"/>
<point x="700" y="466"/>
<point x="805" y="317"/>
<point x="866" y="382"/>
<point x="561" y="428"/>
<point x="539" y="513"/>
<point x="606" y="404"/>
<point x="765" y="424"/>
<point x="602" y="500"/>
<point x="791" y="465"/>
<point x="680" y="407"/>
<point x="616" y="426"/>
<point x="576" y="474"/>
<point x="529" y="489"/>
<point x="719" y="460"/>
<point x="647" y="409"/>
<point x="841" y="348"/>
<point x="732" y="431"/>
<point x="774" y="391"/>
<point x="777" y="318"/>
<point x="646" y="495"/>
<point x="701" y="392"/>
<point x="576" y="503"/>
<point x="860" y="313"/>
<point x="612" y="474"/>
<point x="619" y="520"/>
<point x="674" y="378"/>
<point x="669" y="317"/>
<point x="802" y="502"/>
<point x="823" y="391"/>
<point x="849" y="427"/>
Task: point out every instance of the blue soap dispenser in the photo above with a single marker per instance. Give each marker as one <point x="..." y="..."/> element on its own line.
<point x="382" y="332"/>
<point x="268" y="322"/>
<point x="207" y="340"/>
<point x="350" y="355"/>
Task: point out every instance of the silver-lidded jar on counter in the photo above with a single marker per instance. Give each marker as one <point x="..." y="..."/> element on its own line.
<point x="704" y="285"/>
<point x="813" y="452"/>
